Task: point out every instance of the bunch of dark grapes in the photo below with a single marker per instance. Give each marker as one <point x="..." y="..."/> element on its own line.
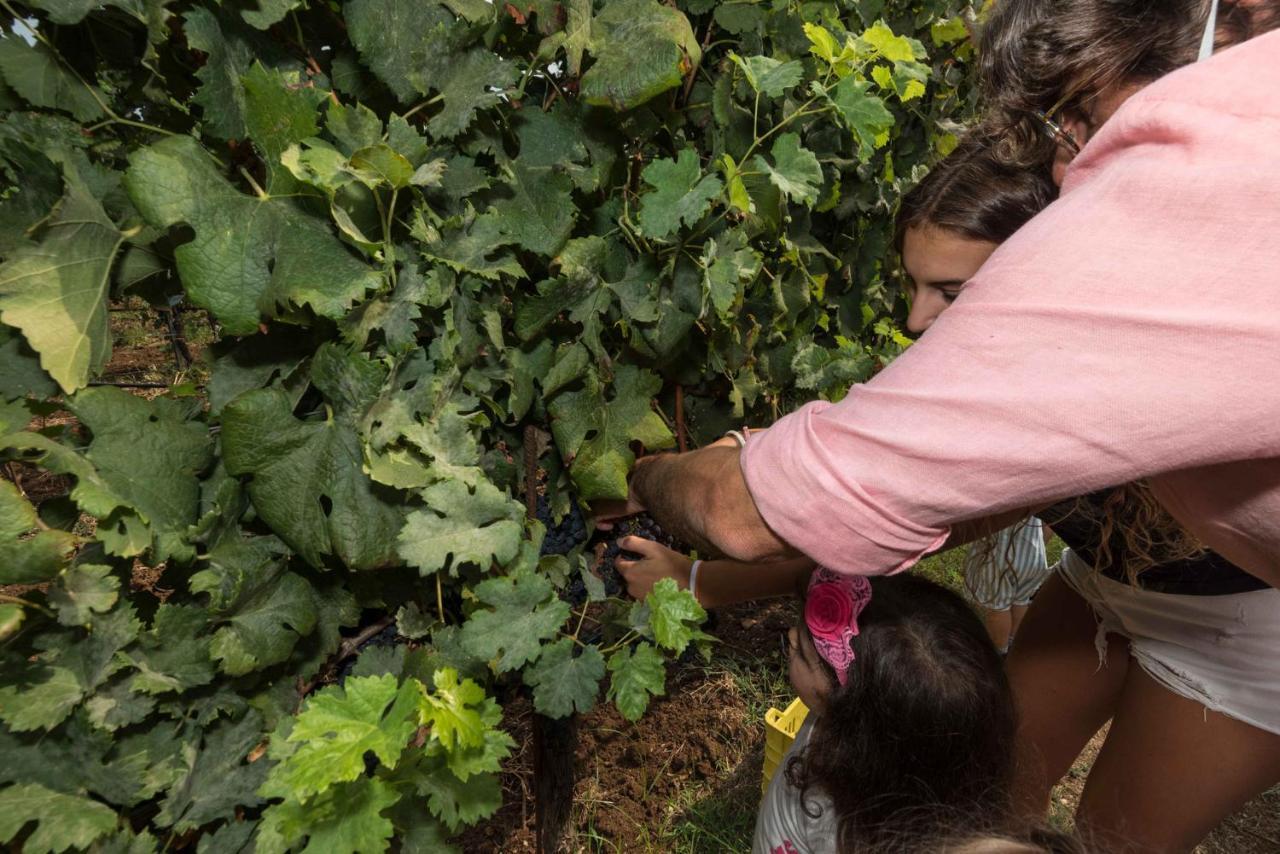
<point x="641" y="525"/>
<point x="561" y="537"/>
<point x="387" y="637"/>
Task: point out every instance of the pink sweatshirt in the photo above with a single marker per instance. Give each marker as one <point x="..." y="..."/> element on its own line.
<point x="1131" y="330"/>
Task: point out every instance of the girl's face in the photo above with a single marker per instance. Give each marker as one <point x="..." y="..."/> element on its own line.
<point x="809" y="676"/>
<point x="938" y="263"/>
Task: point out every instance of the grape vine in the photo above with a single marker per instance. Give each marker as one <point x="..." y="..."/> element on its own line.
<point x="434" y="235"/>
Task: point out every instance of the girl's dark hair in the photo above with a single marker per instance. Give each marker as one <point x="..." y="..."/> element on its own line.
<point x="976" y="194"/>
<point x="1047" y="54"/>
<point x="919" y="741"/>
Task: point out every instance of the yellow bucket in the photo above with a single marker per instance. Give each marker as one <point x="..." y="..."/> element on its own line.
<point x="780" y="730"/>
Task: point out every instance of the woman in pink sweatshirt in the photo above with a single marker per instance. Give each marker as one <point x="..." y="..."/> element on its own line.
<point x="1130" y="331"/>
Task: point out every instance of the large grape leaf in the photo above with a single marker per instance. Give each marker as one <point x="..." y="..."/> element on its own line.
<point x="540" y="214"/>
<point x="216" y="780"/>
<point x="56" y="291"/>
<point x="525" y="612"/>
<point x="20" y="372"/>
<point x="345" y="820"/>
<point x="595" y="432"/>
<point x="795" y="170"/>
<point x="38" y="696"/>
<point x="674" y="615"/>
<point x="34" y="559"/>
<point x="261" y="608"/>
<point x="342" y="723"/>
<point x="863" y="113"/>
<point x="454" y="710"/>
<point x="41" y="78"/>
<point x="461" y="526"/>
<point x="280" y="110"/>
<point x="230" y="50"/>
<point x="454" y="801"/>
<point x="730" y="265"/>
<point x="174" y="654"/>
<point x="251" y="256"/>
<point x="148" y="453"/>
<point x="681" y="193"/>
<point x="563" y="682"/>
<point x="405" y="42"/>
<point x="64" y="821"/>
<point x="637" y="675"/>
<point x="82" y="591"/>
<point x="475" y="81"/>
<point x="641" y="48"/>
<point x="769" y="76"/>
<point x="307" y="480"/>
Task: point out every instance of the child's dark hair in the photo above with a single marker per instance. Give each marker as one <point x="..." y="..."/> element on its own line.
<point x="919" y="740"/>
<point x="972" y="192"/>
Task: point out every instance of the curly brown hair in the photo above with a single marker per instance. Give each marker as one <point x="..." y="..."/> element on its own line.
<point x="1049" y="55"/>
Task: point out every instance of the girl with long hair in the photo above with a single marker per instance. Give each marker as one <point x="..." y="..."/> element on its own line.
<point x="911" y="725"/>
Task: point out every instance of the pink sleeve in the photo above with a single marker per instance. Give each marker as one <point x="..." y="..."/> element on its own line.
<point x="1131" y="330"/>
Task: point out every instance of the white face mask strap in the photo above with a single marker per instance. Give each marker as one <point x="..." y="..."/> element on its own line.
<point x="1210" y="28"/>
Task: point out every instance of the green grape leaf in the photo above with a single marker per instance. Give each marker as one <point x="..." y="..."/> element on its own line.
<point x="879" y="40"/>
<point x="863" y="113"/>
<point x="20" y="372"/>
<point x="116" y="705"/>
<point x="596" y="432"/>
<point x="454" y="801"/>
<point x="279" y="111"/>
<point x="93" y="659"/>
<point x="41" y="78"/>
<point x="467" y="762"/>
<point x="56" y="291"/>
<point x="454" y="710"/>
<point x="148" y="453"/>
<point x="636" y="675"/>
<point x="563" y="682"/>
<point x="307" y="481"/>
<point x="681" y="193"/>
<point x="475" y="81"/>
<point x="641" y="49"/>
<point x="341" y="723"/>
<point x="795" y="170"/>
<point x="41" y="698"/>
<point x="64" y="821"/>
<point x="261" y="609"/>
<point x="348" y="819"/>
<point x="268" y="12"/>
<point x="173" y="655"/>
<point x="33" y="559"/>
<point x="250" y="256"/>
<point x="471" y="247"/>
<point x="82" y="591"/>
<point x="570" y="366"/>
<point x="407" y="44"/>
<point x="730" y="265"/>
<point x="461" y="526"/>
<point x="230" y="50"/>
<point x="215" y="781"/>
<point x="674" y="615"/>
<point x="393" y="314"/>
<point x="527" y="369"/>
<point x="540" y="214"/>
<point x="353" y="126"/>
<point x="525" y="612"/>
<point x="769" y="76"/>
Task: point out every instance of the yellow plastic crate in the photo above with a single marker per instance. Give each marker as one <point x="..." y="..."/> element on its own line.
<point x="780" y="730"/>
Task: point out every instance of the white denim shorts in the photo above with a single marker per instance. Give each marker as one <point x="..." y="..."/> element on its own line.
<point x="1221" y="651"/>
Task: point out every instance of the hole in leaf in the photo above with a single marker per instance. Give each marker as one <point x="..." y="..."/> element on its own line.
<point x="326" y="505"/>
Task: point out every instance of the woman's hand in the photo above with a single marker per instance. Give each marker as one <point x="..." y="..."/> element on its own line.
<point x="656" y="562"/>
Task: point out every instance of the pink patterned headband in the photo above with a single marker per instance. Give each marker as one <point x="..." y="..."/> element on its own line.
<point x="831" y="612"/>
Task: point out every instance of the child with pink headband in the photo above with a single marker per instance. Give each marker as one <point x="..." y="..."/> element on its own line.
<point x="911" y="724"/>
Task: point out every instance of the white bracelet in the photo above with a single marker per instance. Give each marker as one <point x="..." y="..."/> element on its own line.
<point x="693" y="579"/>
<point x="738" y="437"/>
